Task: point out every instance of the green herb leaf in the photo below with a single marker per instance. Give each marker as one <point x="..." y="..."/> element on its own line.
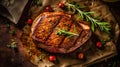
<point x="38" y="2"/>
<point x="41" y="56"/>
<point x="68" y="1"/>
<point x="95" y="23"/>
<point x="104" y="26"/>
<point x="12" y="32"/>
<point x="89" y="13"/>
<point x="7" y="24"/>
<point x="75" y="30"/>
<point x="13" y="44"/>
<point x="103" y="41"/>
<point x="93" y="27"/>
<point x="66" y="33"/>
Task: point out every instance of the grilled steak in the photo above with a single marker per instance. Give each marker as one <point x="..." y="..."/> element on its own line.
<point x="46" y="25"/>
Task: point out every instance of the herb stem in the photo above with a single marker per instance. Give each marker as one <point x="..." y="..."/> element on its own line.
<point x="67" y="33"/>
<point x="103" y="26"/>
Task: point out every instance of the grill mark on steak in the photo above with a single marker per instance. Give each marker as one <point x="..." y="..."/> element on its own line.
<point x="39" y="20"/>
<point x="54" y="27"/>
<point x="83" y="36"/>
<point x="70" y="41"/>
<point x="54" y="39"/>
<point x="43" y="31"/>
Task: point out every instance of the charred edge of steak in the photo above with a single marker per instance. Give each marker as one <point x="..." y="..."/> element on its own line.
<point x="81" y="40"/>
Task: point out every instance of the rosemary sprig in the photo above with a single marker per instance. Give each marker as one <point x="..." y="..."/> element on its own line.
<point x="13" y="44"/>
<point x="103" y="26"/>
<point x="12" y="32"/>
<point x="66" y="33"/>
<point x="38" y="2"/>
<point x="41" y="56"/>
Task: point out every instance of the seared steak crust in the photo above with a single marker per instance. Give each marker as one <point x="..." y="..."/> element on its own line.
<point x="45" y="27"/>
<point x="70" y="41"/>
<point x="54" y="39"/>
